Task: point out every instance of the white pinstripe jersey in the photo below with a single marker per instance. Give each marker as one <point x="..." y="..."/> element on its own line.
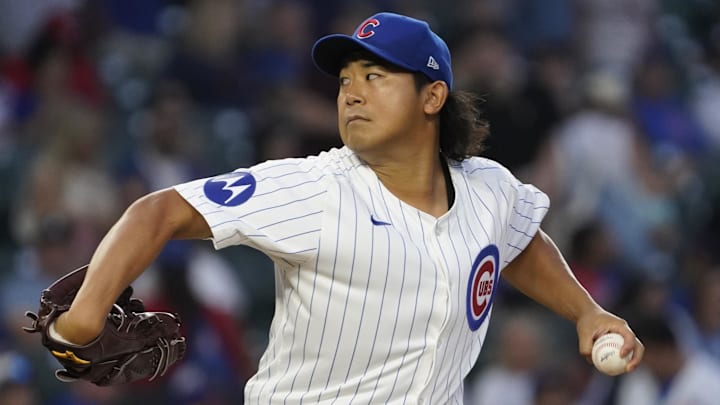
<point x="376" y="301"/>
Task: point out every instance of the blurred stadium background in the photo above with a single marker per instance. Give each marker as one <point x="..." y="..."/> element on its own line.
<point x="610" y="106"/>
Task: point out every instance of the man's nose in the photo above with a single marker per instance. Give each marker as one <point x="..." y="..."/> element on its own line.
<point x="353" y="95"/>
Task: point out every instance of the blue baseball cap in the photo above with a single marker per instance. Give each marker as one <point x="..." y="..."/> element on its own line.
<point x="403" y="41"/>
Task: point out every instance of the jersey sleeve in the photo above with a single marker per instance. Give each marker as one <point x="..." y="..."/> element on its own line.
<point x="275" y="207"/>
<point x="528" y="208"/>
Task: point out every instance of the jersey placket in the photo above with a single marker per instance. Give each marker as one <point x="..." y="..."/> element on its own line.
<point x="432" y="239"/>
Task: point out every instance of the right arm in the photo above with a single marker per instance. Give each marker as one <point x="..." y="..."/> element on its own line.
<point x="130" y="246"/>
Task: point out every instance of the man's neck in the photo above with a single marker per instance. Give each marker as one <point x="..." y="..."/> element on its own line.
<point x="420" y="182"/>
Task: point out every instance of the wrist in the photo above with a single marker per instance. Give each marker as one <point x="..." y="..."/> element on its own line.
<point x="56" y="336"/>
<point x="77" y="329"/>
<point x="581" y="311"/>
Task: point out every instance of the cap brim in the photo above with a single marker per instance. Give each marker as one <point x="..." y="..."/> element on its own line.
<point x="329" y="52"/>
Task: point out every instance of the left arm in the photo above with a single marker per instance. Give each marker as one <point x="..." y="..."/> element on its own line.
<point x="541" y="273"/>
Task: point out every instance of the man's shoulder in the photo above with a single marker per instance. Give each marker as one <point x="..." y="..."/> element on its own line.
<point x="477" y="167"/>
<point x="330" y="161"/>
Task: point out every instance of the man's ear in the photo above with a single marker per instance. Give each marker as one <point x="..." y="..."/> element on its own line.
<point x="436" y="93"/>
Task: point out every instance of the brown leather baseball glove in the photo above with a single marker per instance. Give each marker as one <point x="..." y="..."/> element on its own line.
<point x="134" y="344"/>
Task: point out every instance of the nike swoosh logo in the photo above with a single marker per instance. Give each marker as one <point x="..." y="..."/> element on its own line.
<point x="376" y="221"/>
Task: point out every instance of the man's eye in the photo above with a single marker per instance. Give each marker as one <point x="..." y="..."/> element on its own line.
<point x="371" y="76"/>
<point x="343" y="81"/>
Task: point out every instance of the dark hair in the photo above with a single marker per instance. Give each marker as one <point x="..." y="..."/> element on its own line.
<point x="462" y="130"/>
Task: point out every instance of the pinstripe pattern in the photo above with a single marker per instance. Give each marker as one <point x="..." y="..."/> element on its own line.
<point x="369" y="313"/>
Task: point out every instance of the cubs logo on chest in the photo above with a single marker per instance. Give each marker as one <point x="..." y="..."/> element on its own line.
<point x="481" y="286"/>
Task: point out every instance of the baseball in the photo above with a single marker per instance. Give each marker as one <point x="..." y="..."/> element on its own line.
<point x="606" y="354"/>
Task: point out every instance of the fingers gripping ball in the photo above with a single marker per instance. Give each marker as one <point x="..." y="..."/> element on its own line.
<point x="606" y="354"/>
<point x="133" y="345"/>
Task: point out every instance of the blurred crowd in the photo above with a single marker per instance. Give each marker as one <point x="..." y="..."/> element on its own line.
<point x="612" y="107"/>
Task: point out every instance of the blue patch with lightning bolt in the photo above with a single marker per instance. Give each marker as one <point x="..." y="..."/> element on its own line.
<point x="230" y="189"/>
